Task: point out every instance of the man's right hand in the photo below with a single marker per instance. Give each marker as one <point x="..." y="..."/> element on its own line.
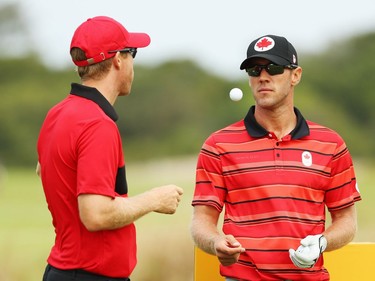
<point x="228" y="250"/>
<point x="167" y="198"/>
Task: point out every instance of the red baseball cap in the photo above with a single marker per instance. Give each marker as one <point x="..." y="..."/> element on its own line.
<point x="99" y="35"/>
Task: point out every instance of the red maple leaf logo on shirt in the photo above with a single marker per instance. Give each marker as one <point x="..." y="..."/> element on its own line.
<point x="264" y="43"/>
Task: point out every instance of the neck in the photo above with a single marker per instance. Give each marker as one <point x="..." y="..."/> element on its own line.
<point x="280" y="122"/>
<point x="104" y="88"/>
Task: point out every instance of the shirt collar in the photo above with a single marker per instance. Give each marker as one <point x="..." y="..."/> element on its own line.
<point x="94" y="95"/>
<point x="255" y="130"/>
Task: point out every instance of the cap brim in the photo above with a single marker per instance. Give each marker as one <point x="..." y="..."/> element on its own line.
<point x="138" y="40"/>
<point x="275" y="59"/>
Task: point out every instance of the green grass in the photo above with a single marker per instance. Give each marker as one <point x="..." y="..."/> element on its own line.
<point x="164" y="243"/>
<point x="165" y="249"/>
<point x="365" y="208"/>
<point x="26" y="234"/>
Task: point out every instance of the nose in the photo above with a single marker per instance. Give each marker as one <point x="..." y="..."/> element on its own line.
<point x="263" y="74"/>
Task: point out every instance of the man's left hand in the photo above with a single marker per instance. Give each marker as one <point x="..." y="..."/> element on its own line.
<point x="306" y="255"/>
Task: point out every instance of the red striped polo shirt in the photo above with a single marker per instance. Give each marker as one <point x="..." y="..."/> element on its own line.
<point x="274" y="192"/>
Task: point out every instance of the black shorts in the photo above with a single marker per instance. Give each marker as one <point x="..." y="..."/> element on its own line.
<point x="54" y="274"/>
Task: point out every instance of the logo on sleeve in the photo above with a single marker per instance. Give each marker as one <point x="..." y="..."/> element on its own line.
<point x="357" y="188"/>
<point x="306" y="158"/>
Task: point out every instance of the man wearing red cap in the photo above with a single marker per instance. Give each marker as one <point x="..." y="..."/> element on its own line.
<point x="82" y="167"/>
<point x="274" y="173"/>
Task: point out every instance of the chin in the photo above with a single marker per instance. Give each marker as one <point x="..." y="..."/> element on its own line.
<point x="123" y="94"/>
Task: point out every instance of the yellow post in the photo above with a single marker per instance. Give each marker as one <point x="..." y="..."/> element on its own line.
<point x="355" y="261"/>
<point x="206" y="267"/>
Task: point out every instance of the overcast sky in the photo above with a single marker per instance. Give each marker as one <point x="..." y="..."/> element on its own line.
<point x="215" y="33"/>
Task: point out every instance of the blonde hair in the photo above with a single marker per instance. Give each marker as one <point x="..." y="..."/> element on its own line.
<point x="94" y="71"/>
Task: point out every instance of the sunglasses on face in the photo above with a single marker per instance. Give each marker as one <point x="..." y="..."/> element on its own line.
<point x="272" y="69"/>
<point x="131" y="51"/>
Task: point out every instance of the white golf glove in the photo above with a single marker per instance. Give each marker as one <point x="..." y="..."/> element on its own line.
<point x="306" y="255"/>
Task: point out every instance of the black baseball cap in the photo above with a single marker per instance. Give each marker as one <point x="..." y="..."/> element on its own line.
<point x="276" y="49"/>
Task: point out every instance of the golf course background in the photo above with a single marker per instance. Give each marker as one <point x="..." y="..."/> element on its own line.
<point x="173" y="107"/>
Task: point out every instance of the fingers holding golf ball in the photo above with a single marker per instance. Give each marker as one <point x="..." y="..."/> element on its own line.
<point x="236" y="94"/>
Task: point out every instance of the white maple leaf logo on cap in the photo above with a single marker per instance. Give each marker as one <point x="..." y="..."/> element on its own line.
<point x="264" y="44"/>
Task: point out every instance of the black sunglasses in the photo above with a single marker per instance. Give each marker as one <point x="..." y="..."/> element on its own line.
<point x="131" y="51"/>
<point x="272" y="69"/>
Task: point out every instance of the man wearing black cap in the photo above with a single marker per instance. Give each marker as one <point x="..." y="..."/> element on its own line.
<point x="82" y="167"/>
<point x="274" y="173"/>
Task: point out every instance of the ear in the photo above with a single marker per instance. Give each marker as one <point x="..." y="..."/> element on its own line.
<point x="296" y="76"/>
<point x="116" y="60"/>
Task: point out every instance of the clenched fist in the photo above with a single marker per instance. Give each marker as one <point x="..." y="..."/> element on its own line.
<point x="167" y="198"/>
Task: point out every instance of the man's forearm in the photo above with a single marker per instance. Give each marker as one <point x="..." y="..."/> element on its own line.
<point x="104" y="213"/>
<point x="342" y="230"/>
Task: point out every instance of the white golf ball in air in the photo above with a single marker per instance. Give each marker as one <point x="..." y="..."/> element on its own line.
<point x="235" y="94"/>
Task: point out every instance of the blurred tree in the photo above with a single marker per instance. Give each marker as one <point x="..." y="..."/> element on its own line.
<point x="342" y="77"/>
<point x="27" y="90"/>
<point x="174" y="106"/>
<point x="14" y="35"/>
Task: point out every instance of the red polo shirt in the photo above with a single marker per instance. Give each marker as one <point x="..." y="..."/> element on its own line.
<point x="80" y="152"/>
<point x="274" y="192"/>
